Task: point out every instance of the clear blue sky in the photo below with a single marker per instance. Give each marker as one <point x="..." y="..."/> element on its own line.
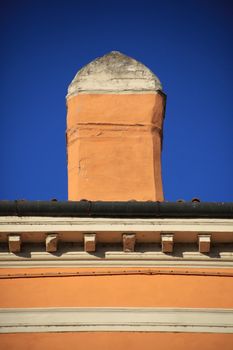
<point x="188" y="44"/>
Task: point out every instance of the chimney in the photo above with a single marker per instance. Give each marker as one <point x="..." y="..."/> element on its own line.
<point x="114" y="131"/>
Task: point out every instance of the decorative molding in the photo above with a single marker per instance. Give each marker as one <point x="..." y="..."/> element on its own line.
<point x="118" y="263"/>
<point x="72" y="254"/>
<point x="167" y="243"/>
<point x="47" y="239"/>
<point x="89" y="242"/>
<point x="51" y="243"/>
<point x="29" y="263"/>
<point x="25" y="224"/>
<point x="116" y="319"/>
<point x="204" y="243"/>
<point x="129" y="240"/>
<point x="14" y="243"/>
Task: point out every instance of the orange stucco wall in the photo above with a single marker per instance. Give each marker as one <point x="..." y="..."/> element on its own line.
<point x="116" y="341"/>
<point x="196" y="291"/>
<point x="116" y="290"/>
<point x="114" y="146"/>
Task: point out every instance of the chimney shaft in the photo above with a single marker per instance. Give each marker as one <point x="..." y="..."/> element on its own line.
<point x="114" y="127"/>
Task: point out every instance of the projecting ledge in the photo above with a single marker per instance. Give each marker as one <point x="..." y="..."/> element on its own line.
<point x="14" y="243"/>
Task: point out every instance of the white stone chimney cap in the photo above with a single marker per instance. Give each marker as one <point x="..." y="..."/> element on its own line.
<point x="114" y="73"/>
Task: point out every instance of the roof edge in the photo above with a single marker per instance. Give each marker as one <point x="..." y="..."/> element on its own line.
<point x="130" y="209"/>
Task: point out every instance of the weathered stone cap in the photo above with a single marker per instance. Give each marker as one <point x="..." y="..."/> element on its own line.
<point x="114" y="73"/>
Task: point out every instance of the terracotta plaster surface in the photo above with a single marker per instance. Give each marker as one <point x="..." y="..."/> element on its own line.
<point x="115" y="341"/>
<point x="115" y="111"/>
<point x="116" y="290"/>
<point x="114" y="147"/>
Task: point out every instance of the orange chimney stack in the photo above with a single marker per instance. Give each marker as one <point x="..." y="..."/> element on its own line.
<point x="114" y="129"/>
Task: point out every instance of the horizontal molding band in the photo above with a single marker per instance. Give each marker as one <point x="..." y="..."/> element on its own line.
<point x="111" y="91"/>
<point x="116" y="319"/>
<point x="27" y="238"/>
<point x="112" y="255"/>
<point x="23" y="263"/>
<point x="110" y="231"/>
<point x="70" y="224"/>
<point x="114" y="272"/>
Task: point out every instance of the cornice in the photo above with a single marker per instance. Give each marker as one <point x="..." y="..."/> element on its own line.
<point x="118" y="242"/>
